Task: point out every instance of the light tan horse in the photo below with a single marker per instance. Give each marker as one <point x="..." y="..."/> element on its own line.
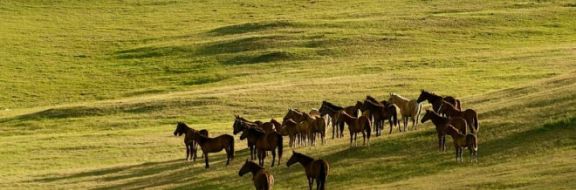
<point x="409" y="109"/>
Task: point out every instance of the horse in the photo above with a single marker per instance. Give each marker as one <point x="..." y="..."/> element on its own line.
<point x="436" y="100"/>
<point x="315" y="125"/>
<point x="263" y="180"/>
<point x="191" y="146"/>
<point x="265" y="142"/>
<point x="330" y="109"/>
<point x="380" y="111"/>
<point x="315" y="169"/>
<point x="290" y="129"/>
<point x="463" y="140"/>
<point x="409" y="109"/>
<point x="216" y="144"/>
<point x="240" y="125"/>
<point x="356" y="125"/>
<point x="266" y="126"/>
<point x="441" y="122"/>
<point x="469" y="114"/>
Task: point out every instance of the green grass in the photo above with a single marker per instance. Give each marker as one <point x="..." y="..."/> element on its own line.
<point x="91" y="91"/>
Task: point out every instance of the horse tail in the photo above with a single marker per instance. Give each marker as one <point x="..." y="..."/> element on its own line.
<point x="367" y="127"/>
<point x="476" y="124"/>
<point x="280" y="146"/>
<point x="322" y="174"/>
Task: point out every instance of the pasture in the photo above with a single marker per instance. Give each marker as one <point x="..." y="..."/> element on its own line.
<point x="91" y="91"/>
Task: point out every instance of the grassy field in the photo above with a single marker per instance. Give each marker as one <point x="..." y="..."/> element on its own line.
<point x="90" y="91"/>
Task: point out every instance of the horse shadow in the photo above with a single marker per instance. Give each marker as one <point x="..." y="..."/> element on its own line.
<point x="178" y="174"/>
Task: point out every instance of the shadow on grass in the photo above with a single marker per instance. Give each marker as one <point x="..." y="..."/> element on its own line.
<point x="251" y="27"/>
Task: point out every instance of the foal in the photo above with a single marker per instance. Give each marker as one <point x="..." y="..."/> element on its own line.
<point x="216" y="144"/>
<point x="441" y="123"/>
<point x="315" y="169"/>
<point x="191" y="146"/>
<point x="463" y="140"/>
<point x="356" y="125"/>
<point x="263" y="180"/>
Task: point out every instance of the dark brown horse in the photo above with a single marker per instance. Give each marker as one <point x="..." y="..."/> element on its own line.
<point x="191" y="146"/>
<point x="469" y="114"/>
<point x="217" y="144"/>
<point x="315" y="169"/>
<point x="356" y="125"/>
<point x="436" y="100"/>
<point x="380" y="112"/>
<point x="263" y="180"/>
<point x="441" y="122"/>
<point x="265" y="142"/>
<point x="463" y="140"/>
<point x="240" y="125"/>
<point x="331" y="109"/>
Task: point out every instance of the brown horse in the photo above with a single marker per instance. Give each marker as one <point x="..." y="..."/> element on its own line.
<point x="380" y="112"/>
<point x="290" y="129"/>
<point x="356" y="125"/>
<point x="315" y="169"/>
<point x="315" y="125"/>
<point x="436" y="100"/>
<point x="263" y="180"/>
<point x="240" y="125"/>
<point x="191" y="146"/>
<point x="469" y="114"/>
<point x="441" y="123"/>
<point x="265" y="142"/>
<point x="217" y="144"/>
<point x="463" y="140"/>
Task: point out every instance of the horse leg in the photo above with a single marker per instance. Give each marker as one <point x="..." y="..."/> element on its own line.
<point x="414" y="125"/>
<point x="351" y="137"/>
<point x="310" y="182"/>
<point x="187" y="152"/>
<point x="273" y="157"/>
<point x="206" y="160"/>
<point x="333" y="128"/>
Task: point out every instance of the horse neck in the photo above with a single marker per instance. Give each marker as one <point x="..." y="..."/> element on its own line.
<point x="254" y="168"/>
<point x="347" y="118"/>
<point x="438" y="120"/>
<point x="304" y="160"/>
<point x="432" y="97"/>
<point x="450" y="110"/>
<point x="454" y="133"/>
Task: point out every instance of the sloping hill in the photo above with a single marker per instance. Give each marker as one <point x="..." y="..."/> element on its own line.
<point x="91" y="91"/>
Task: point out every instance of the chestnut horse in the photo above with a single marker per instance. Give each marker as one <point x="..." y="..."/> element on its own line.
<point x="216" y="144"/>
<point x="315" y="169"/>
<point x="463" y="140"/>
<point x="191" y="146"/>
<point x="409" y="109"/>
<point x="263" y="180"/>
<point x="290" y="129"/>
<point x="330" y="109"/>
<point x="441" y="122"/>
<point x="356" y="125"/>
<point x="469" y="114"/>
<point x="436" y="100"/>
<point x="315" y="125"/>
<point x="379" y="112"/>
<point x="265" y="142"/>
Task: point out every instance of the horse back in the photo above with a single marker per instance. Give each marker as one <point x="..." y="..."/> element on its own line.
<point x="319" y="169"/>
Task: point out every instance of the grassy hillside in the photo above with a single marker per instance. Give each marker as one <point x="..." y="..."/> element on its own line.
<point x="91" y="91"/>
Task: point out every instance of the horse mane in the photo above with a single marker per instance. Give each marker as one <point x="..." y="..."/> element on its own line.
<point x="333" y="106"/>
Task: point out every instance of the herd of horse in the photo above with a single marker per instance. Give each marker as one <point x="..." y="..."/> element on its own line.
<point x="303" y="129"/>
